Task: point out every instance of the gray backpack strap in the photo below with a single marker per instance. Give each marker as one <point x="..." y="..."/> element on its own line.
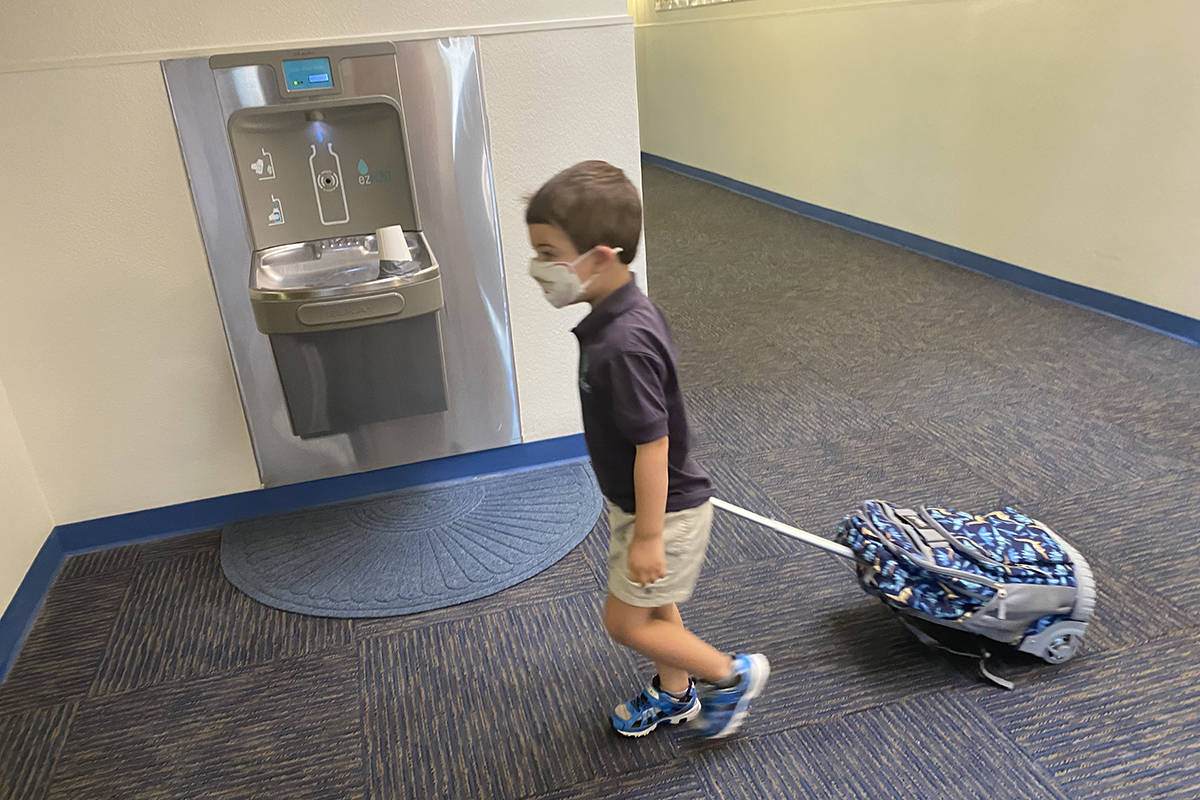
<point x="926" y="537"/>
<point x="988" y="675"/>
<point x="925" y="540"/>
<point x="981" y="656"/>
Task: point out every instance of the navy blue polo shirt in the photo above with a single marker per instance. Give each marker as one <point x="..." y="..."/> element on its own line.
<point x="629" y="387"/>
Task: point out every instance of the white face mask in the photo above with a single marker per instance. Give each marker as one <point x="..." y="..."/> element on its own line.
<point x="558" y="280"/>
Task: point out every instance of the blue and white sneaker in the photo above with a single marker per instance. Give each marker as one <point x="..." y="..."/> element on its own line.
<point x="652" y="708"/>
<point x="724" y="710"/>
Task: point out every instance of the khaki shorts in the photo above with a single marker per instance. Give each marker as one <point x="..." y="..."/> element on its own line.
<point x="685" y="538"/>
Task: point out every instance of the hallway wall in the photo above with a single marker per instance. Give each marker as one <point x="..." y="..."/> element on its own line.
<point x="1056" y="136"/>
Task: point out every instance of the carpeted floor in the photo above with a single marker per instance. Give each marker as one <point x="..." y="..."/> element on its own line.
<point x="821" y="368"/>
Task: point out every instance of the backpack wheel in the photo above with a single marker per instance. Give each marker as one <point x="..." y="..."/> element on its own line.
<point x="1061" y="648"/>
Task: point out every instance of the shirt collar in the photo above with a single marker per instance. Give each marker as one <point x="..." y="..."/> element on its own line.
<point x="622" y="300"/>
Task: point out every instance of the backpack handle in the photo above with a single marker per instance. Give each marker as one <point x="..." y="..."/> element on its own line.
<point x="925" y="537"/>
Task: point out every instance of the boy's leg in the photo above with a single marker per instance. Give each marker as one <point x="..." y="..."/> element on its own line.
<point x="672" y="679"/>
<point x="666" y="642"/>
<point x="646" y="619"/>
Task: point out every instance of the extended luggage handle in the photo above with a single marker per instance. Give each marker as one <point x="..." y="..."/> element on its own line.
<point x="787" y="530"/>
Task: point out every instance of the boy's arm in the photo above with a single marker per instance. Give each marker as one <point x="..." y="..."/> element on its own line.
<point x="647" y="559"/>
<point x="640" y="409"/>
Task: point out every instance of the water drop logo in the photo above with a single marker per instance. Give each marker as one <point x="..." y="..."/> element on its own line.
<point x="362" y="167"/>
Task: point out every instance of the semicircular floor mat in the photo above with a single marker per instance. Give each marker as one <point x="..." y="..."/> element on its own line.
<point x="416" y="549"/>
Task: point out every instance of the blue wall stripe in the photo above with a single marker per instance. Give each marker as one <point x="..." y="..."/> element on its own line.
<point x="1156" y="319"/>
<point x="214" y="512"/>
<point x="27" y="601"/>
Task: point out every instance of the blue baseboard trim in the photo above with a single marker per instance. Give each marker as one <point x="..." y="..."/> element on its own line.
<point x="1157" y="319"/>
<point x="215" y="512"/>
<point x="23" y="609"/>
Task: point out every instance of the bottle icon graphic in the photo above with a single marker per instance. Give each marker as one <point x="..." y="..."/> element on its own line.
<point x="328" y="186"/>
<point x="276" y="215"/>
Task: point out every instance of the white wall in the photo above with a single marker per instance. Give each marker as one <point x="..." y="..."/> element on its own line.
<point x="119" y="374"/>
<point x="24" y="518"/>
<point x="38" y="35"/>
<point x="1059" y="136"/>
<point x="554" y="98"/>
<point x="119" y="379"/>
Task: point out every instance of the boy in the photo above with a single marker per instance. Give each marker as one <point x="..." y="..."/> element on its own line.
<point x="584" y="225"/>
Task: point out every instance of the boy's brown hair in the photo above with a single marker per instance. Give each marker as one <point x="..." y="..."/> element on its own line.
<point x="594" y="204"/>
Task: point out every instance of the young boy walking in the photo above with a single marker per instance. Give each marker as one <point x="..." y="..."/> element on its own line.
<point x="584" y="225"/>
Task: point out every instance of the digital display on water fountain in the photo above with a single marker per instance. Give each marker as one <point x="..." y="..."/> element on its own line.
<point x="307" y="73"/>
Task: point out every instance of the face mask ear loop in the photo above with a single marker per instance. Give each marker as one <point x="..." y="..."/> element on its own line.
<point x="615" y="250"/>
<point x="584" y="284"/>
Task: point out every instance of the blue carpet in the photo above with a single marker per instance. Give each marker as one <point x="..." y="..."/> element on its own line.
<point x="149" y="675"/>
<point x="413" y="550"/>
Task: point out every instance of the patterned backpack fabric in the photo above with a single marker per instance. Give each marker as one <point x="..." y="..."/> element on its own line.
<point x="1002" y="574"/>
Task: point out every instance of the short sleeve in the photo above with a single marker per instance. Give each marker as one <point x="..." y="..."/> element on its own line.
<point x="639" y="399"/>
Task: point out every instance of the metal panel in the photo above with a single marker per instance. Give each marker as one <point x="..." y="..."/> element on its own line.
<point x="372" y="131"/>
<point x="451" y="171"/>
<point x="336" y="379"/>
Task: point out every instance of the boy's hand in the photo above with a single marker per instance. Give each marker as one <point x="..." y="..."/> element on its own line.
<point x="647" y="560"/>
